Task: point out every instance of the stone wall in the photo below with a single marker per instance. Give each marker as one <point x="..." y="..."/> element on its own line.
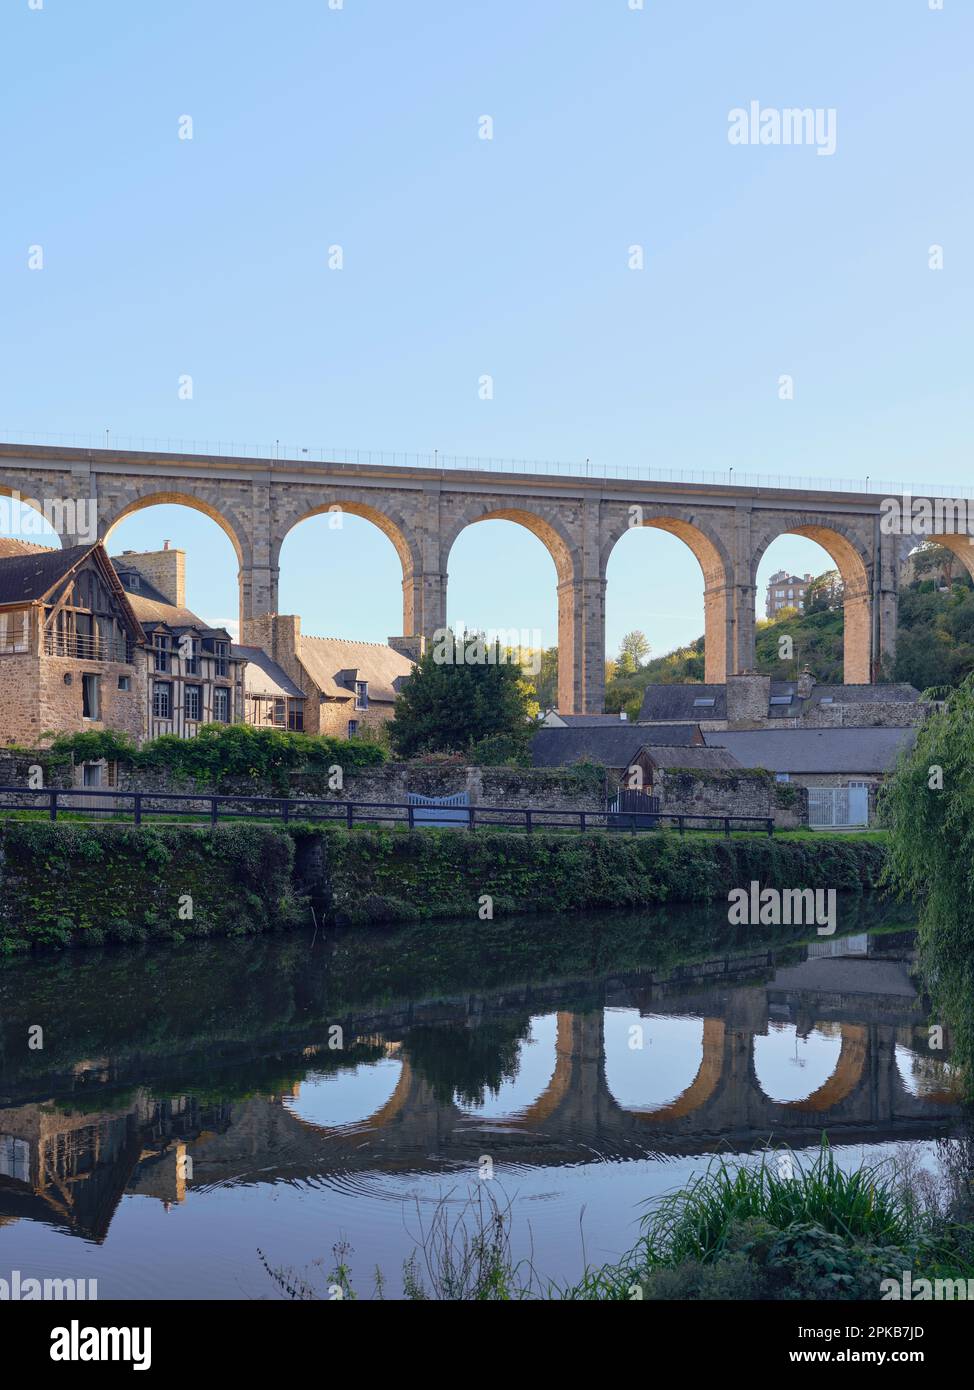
<point x="552" y="789"/>
<point x="743" y="793"/>
<point x="42" y="694"/>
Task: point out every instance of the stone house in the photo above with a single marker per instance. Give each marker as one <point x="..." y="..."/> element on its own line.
<point x="71" y="646"/>
<point x="347" y="686"/>
<point x="754" y="701"/>
<point x="832" y="763"/>
<point x="271" y="698"/>
<point x="193" y="677"/>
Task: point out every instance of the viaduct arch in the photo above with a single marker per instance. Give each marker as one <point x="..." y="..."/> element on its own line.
<point x="257" y="502"/>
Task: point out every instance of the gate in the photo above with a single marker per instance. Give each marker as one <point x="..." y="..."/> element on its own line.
<point x="440" y="810"/>
<point x="627" y="801"/>
<point x="838" y="806"/>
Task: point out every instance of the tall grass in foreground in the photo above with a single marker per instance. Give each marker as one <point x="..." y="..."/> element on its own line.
<point x="778" y="1227"/>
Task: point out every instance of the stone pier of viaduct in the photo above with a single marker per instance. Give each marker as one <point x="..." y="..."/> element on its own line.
<point x="579" y="521"/>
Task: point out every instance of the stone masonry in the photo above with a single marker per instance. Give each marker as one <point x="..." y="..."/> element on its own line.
<point x="579" y="520"/>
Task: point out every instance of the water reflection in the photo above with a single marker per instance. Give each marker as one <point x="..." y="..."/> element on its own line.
<point x="632" y="1041"/>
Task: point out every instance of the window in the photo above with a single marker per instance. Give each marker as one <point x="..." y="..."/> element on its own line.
<point x="705" y="702"/>
<point x="125" y="682"/>
<point x="90" y="696"/>
<point x="278" y="713"/>
<point x="361" y="694"/>
<point x="221" y="651"/>
<point x="782" y="777"/>
<point x="352" y="728"/>
<point x="295" y="718"/>
<point x="193" y="701"/>
<point x="13" y="631"/>
<point x="160" y="650"/>
<point x="190" y="649"/>
<point x="91" y="775"/>
<point x="781" y="699"/>
<point x="162" y="700"/>
<point x="221" y="704"/>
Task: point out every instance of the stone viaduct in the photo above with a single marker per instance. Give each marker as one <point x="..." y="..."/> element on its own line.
<point x="578" y="519"/>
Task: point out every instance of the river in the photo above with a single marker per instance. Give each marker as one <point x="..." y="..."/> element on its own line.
<point x="175" y="1120"/>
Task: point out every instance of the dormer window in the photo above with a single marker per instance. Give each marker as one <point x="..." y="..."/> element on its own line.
<point x="361" y="694"/>
<point x="704" y="702"/>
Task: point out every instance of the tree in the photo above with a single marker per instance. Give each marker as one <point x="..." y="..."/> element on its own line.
<point x="928" y="807"/>
<point x="825" y="592"/>
<point x="633" y="650"/>
<point x="461" y="691"/>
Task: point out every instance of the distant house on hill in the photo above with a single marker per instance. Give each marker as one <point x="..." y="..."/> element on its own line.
<point x="346" y="685"/>
<point x="71" y="654"/>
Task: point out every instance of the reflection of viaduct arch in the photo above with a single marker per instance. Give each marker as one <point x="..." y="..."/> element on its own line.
<point x="845" y="1077"/>
<point x="703" y="1085"/>
<point x="401" y="1097"/>
<point x="715" y="563"/>
<point x="852" y="561"/>
<point x="561" y="1078"/>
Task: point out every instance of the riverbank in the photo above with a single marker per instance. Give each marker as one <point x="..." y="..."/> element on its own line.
<point x="78" y="884"/>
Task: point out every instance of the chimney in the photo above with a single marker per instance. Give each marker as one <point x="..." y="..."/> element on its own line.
<point x="748" y="695"/>
<point x="805" y="682"/>
<point x="164" y="569"/>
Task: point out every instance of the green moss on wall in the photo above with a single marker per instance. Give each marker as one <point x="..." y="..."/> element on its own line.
<point x="77" y="884"/>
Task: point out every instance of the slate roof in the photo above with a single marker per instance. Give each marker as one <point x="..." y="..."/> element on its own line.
<point x="613" y="746"/>
<point x="701" y="759"/>
<point x="27" y="574"/>
<point x="325" y="657"/>
<point x="815" y="750"/>
<point x="676" y="702"/>
<point x="263" y="676"/>
<point x="573" y="721"/>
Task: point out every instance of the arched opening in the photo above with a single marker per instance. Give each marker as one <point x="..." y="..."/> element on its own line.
<point x="25" y="522"/>
<point x="812" y="586"/>
<point x="189" y="555"/>
<point x="672" y="589"/>
<point x="342" y="569"/>
<point x="500" y="583"/>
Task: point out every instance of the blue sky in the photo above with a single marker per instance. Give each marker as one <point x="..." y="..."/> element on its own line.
<point x="358" y="126"/>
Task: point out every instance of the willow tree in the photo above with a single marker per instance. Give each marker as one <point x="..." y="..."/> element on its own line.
<point x="928" y="805"/>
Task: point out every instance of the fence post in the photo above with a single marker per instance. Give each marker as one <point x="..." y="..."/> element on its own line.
<point x="680" y="825"/>
<point x="349" y="813"/>
<point x="137" y="808"/>
<point x="771" y="829"/>
<point x="471" y="819"/>
<point x="410" y="813"/>
<point x="53" y="804"/>
<point x="582" y="821"/>
<point x="528" y="822"/>
<point x="286" y="809"/>
<point x="214" y="813"/>
<point x="727" y="826"/>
